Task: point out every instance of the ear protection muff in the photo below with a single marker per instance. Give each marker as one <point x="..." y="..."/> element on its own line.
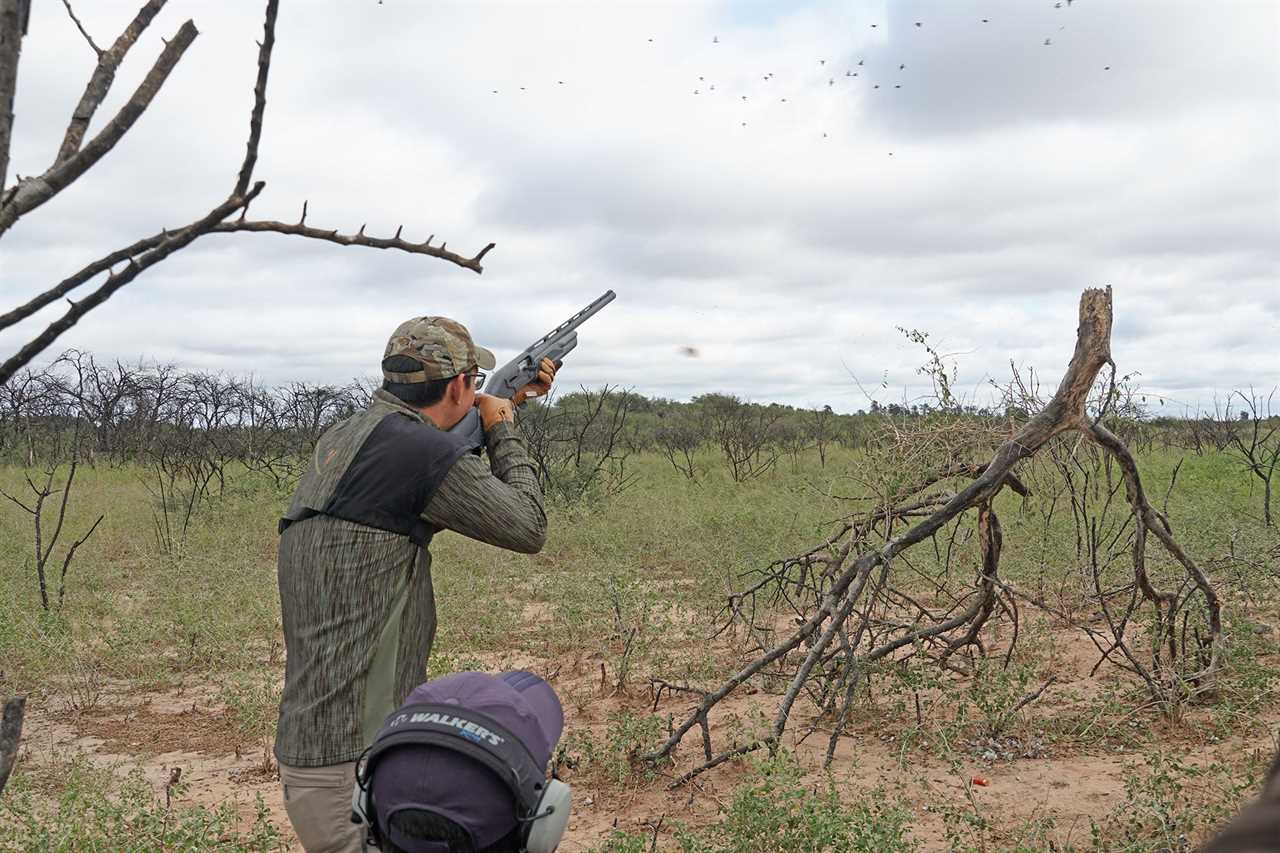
<point x="545" y="829"/>
<point x="362" y="806"/>
<point x="542" y="804"/>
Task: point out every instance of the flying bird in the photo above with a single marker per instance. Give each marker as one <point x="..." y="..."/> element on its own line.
<point x="860" y="61"/>
<point x="715" y="39"/>
<point x="986" y="20"/>
<point x="918" y="24"/>
<point x="822" y="62"/>
<point x="1106" y="68"/>
<point x="831" y="82"/>
<point x="897" y="85"/>
<point x="691" y="352"/>
<point x="1048" y="42"/>
<point x="900" y="67"/>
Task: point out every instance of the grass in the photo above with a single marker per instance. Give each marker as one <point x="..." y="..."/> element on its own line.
<point x="627" y="590"/>
<point x="779" y="811"/>
<point x="93" y="809"/>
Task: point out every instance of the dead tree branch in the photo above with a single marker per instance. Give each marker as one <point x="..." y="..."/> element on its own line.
<point x="30" y="193"/>
<point x="13" y="26"/>
<point x="358" y="239"/>
<point x="843" y="589"/>
<point x="259" y="98"/>
<point x="80" y="27"/>
<point x="103" y="76"/>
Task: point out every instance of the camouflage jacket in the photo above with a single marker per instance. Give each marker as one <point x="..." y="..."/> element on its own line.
<point x="355" y="573"/>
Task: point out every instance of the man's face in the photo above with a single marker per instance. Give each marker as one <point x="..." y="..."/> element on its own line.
<point x="468" y="389"/>
<point x="460" y="397"/>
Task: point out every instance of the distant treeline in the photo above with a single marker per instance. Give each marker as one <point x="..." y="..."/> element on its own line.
<point x="177" y="419"/>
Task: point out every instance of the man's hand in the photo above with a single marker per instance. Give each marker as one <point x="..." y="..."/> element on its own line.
<point x="494" y="410"/>
<point x="541" y="386"/>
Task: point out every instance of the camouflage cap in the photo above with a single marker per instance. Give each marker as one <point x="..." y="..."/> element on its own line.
<point x="442" y="346"/>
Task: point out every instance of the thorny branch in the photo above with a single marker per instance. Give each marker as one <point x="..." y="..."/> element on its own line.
<point x="357" y="239"/>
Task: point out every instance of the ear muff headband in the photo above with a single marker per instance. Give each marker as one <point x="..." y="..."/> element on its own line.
<point x="472" y="733"/>
<point x="544" y="805"/>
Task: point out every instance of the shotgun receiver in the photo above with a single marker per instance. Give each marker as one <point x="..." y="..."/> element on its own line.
<point x="523" y="369"/>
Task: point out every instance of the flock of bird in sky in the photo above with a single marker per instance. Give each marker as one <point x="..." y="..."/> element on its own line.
<point x="704" y="87"/>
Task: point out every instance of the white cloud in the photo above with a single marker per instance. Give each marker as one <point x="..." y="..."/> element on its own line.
<point x="1020" y="174"/>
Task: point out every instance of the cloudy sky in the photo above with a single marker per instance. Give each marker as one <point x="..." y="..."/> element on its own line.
<point x="717" y="164"/>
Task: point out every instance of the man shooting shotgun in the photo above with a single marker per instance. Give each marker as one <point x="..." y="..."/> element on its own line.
<point x="353" y="567"/>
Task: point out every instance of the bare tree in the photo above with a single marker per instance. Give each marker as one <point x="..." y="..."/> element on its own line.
<point x="29" y="401"/>
<point x="745" y="433"/>
<point x="76" y="155"/>
<point x="1253" y="439"/>
<point x="791" y="437"/>
<point x="820" y="425"/>
<point x="678" y="437"/>
<point x="850" y="614"/>
<point x="44" y="539"/>
<point x="576" y="443"/>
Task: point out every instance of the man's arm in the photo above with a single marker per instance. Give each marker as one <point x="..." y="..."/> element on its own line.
<point x="499" y="503"/>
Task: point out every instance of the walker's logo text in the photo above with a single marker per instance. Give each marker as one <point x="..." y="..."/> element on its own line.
<point x="471" y="731"/>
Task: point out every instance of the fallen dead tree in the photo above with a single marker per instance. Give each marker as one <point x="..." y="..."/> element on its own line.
<point x="850" y="614"/>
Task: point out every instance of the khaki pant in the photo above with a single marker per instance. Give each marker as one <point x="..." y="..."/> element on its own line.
<point x="318" y="800"/>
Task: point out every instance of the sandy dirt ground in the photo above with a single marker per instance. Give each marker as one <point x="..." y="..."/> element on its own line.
<point x="188" y="728"/>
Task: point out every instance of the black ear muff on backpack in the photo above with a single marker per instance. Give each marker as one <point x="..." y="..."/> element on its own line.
<point x="542" y="804"/>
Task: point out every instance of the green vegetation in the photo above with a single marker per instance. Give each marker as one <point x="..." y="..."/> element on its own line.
<point x="94" y="810"/>
<point x="631" y="585"/>
<point x="778" y="812"/>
